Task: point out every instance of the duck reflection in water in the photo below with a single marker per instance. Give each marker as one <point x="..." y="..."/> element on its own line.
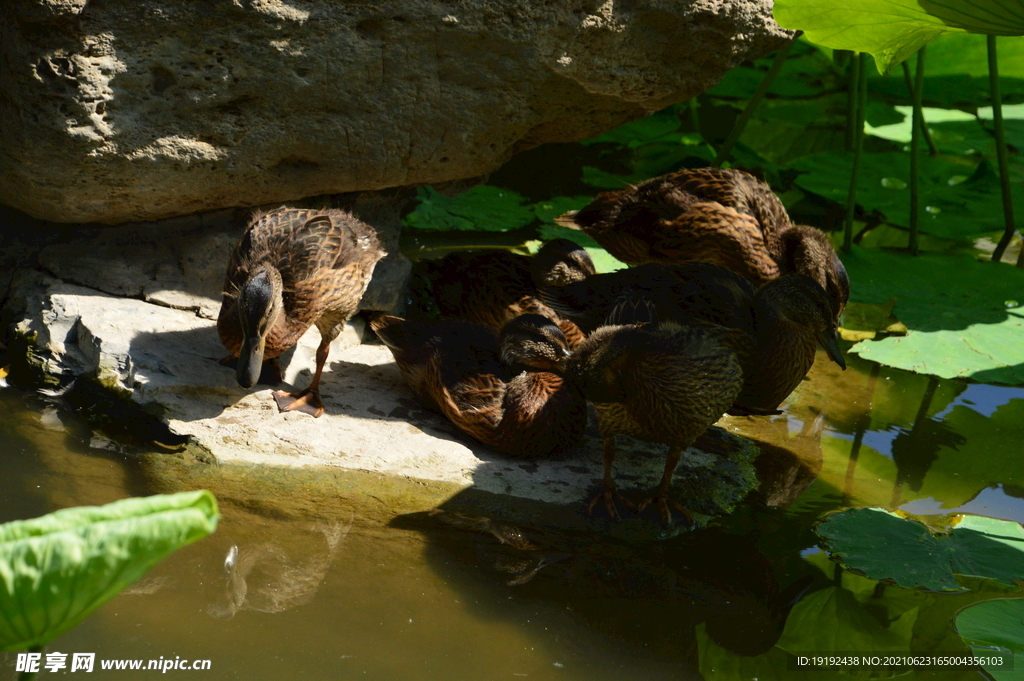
<point x="268" y="577"/>
<point x="652" y="595"/>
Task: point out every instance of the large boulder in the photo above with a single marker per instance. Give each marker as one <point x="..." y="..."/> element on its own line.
<point x="129" y="110"/>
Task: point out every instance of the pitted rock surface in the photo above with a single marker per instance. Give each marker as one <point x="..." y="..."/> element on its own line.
<point x="129" y="110"/>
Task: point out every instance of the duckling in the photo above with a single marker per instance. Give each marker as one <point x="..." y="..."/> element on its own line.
<point x="505" y="391"/>
<point x="661" y="382"/>
<point x="720" y="216"/>
<point x="493" y="287"/>
<point x="294" y="268"/>
<point x="781" y="322"/>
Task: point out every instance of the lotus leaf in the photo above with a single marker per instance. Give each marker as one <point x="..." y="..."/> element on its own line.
<point x="892" y="30"/>
<point x="484" y="208"/>
<point x="961" y="197"/>
<point x="992" y="625"/>
<point x="57" y="569"/>
<point x="884" y="545"/>
<point x="954" y="308"/>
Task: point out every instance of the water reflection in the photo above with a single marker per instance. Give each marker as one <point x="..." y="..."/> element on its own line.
<point x="268" y="577"/>
<point x="307" y="581"/>
<point x="653" y="595"/>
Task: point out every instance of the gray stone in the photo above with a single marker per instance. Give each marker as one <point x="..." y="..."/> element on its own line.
<point x="123" y="110"/>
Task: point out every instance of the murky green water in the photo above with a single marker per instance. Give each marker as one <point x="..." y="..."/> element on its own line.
<point x="340" y="576"/>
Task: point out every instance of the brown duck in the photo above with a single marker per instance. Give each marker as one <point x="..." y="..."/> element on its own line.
<point x="494" y="287"/>
<point x="660" y="382"/>
<point x="294" y="268"/>
<point x="781" y="323"/>
<point x="505" y="391"/>
<point x="720" y="216"/>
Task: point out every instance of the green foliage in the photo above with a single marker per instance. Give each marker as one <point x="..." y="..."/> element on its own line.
<point x="58" y="569"/>
<point x="883" y="545"/>
<point x="961" y="330"/>
<point x="483" y="207"/>
<point x="892" y="30"/>
<point x="960" y="196"/>
<point x="995" y="624"/>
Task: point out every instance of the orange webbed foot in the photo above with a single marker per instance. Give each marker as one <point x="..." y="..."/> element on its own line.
<point x="663" y="509"/>
<point x="609" y="497"/>
<point x="306" y="401"/>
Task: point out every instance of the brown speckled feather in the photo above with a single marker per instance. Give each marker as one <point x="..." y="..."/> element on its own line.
<point x="455" y="368"/>
<point x="495" y="287"/>
<point x="716" y="215"/>
<point x="325" y="258"/>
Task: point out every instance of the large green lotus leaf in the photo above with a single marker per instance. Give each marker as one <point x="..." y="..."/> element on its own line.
<point x="959" y="196"/>
<point x="483" y="207"/>
<point x="997" y="623"/>
<point x="57" y="569"/>
<point x="892" y="30"/>
<point x="954" y="308"/>
<point x="883" y="545"/>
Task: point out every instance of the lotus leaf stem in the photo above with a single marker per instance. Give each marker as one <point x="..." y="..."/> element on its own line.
<point x="753" y="103"/>
<point x="860" y="82"/>
<point x="917" y="125"/>
<point x="932" y="149"/>
<point x="1004" y="166"/>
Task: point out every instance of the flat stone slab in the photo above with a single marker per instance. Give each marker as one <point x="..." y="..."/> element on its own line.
<point x="165" y="361"/>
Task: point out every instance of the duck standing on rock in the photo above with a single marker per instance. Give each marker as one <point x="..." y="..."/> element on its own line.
<point x="656" y="381"/>
<point x="505" y="391"/>
<point x="721" y="216"/>
<point x="294" y="268"/>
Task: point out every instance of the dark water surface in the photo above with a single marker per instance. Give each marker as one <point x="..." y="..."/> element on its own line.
<point x="329" y="584"/>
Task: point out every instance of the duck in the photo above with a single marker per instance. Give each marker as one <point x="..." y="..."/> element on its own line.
<point x="658" y="381"/>
<point x="781" y="323"/>
<point x="722" y="216"/>
<point x="502" y="389"/>
<point x="293" y="268"/>
<point x="493" y="287"/>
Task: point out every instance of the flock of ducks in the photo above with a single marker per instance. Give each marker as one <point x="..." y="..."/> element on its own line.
<point x="720" y="312"/>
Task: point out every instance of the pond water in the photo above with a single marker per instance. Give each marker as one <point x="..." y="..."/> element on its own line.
<point x="329" y="577"/>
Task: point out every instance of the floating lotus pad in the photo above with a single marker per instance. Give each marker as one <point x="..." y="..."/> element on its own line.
<point x="995" y="624"/>
<point x="955" y="309"/>
<point x="883" y="545"/>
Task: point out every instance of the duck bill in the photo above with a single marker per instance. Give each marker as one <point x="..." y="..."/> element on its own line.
<point x="830" y="342"/>
<point x="250" y="361"/>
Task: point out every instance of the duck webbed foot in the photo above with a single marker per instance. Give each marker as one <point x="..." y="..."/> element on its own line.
<point x="661" y="493"/>
<point x="609" y="496"/>
<point x="306" y="401"/>
<point x="663" y="503"/>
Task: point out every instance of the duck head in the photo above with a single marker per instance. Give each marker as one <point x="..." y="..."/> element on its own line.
<point x="807" y="250"/>
<point x="560" y="262"/>
<point x="800" y="300"/>
<point x="259" y="306"/>
<point x="534" y="342"/>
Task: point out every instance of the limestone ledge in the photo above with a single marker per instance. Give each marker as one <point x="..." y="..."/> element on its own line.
<point x="164" y="360"/>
